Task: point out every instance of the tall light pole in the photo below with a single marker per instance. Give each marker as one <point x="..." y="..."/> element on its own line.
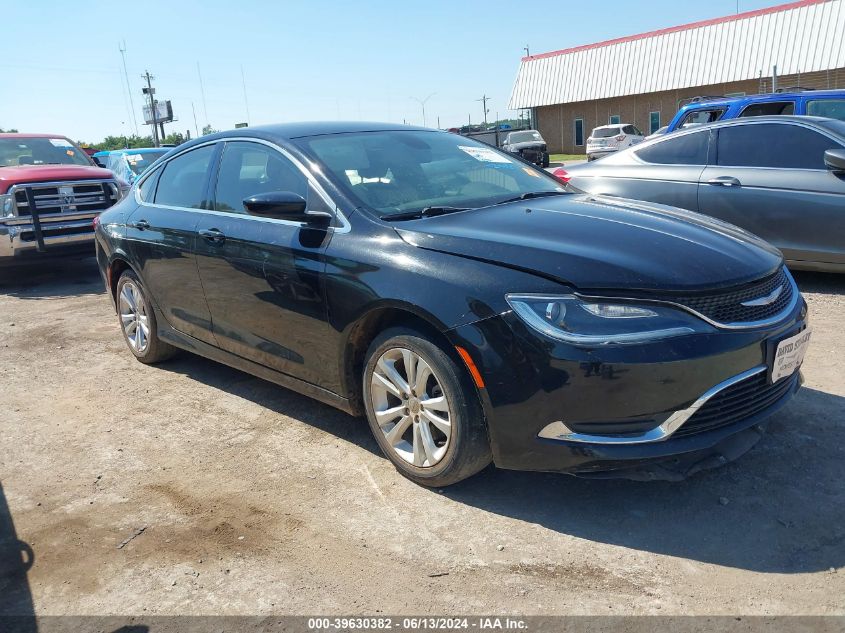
<point x="422" y="103"/>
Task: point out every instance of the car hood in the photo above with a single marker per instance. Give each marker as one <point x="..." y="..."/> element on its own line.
<point x="602" y="243"/>
<point x="48" y="173"/>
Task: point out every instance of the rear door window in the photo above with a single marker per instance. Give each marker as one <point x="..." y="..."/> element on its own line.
<point x="183" y="181"/>
<point x="768" y="108"/>
<point x="772" y="145"/>
<point x="686" y="149"/>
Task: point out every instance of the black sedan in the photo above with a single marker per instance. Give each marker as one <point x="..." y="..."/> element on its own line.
<point x="460" y="298"/>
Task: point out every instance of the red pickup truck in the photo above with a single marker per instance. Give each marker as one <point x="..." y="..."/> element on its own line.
<point x="50" y="193"/>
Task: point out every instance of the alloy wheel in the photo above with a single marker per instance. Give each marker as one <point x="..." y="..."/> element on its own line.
<point x="133" y="317"/>
<point x="410" y="407"/>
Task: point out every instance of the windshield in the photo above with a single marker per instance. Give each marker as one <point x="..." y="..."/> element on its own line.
<point x="399" y="171"/>
<point x="40" y="151"/>
<point x="135" y="162"/>
<point x="525" y="137"/>
<point x="605" y="132"/>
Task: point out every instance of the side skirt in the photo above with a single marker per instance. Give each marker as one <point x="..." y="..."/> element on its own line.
<point x="190" y="344"/>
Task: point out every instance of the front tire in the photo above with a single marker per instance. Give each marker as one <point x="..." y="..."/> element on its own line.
<point x="423" y="409"/>
<point x="138" y="321"/>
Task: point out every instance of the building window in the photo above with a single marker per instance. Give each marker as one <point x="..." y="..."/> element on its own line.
<point x="615" y="119"/>
<point x="579" y="132"/>
<point x="653" y="122"/>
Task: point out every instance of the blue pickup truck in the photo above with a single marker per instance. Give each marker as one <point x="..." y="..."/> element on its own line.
<point x="826" y="103"/>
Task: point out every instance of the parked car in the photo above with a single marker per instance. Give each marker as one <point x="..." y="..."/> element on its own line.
<point x="781" y="177"/>
<point x="128" y="164"/>
<point x="528" y="144"/>
<point x="607" y="139"/>
<point x="704" y="110"/>
<point x="465" y="302"/>
<point x="50" y="191"/>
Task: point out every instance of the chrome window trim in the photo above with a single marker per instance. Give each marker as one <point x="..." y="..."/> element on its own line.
<point x="742" y="325"/>
<point x="344" y="227"/>
<point x="559" y="431"/>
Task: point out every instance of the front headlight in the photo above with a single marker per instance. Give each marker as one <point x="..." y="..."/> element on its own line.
<point x="7" y="206"/>
<point x="597" y="322"/>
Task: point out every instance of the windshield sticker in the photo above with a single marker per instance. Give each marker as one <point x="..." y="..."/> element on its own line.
<point x="134" y="158"/>
<point x="484" y="154"/>
<point x="531" y="172"/>
<point x="69" y="152"/>
<point x="60" y="142"/>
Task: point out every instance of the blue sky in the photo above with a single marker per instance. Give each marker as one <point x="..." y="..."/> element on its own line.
<point x="303" y="60"/>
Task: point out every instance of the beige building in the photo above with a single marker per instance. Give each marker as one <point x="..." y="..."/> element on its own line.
<point x="644" y="79"/>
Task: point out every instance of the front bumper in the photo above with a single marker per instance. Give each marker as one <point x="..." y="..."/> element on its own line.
<point x="541" y="396"/>
<point x="68" y="235"/>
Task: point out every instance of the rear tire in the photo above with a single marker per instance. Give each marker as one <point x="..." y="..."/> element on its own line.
<point x="430" y="423"/>
<point x="138" y="321"/>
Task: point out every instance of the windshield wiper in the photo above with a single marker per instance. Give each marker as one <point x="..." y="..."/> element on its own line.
<point x="423" y="213"/>
<point x="534" y="194"/>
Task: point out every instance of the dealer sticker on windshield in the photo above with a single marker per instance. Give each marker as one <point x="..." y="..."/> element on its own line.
<point x="790" y="354"/>
<point x="484" y="154"/>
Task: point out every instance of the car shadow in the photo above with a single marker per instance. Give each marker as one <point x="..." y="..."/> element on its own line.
<point x="275" y="398"/>
<point x="826" y="283"/>
<point x="777" y="509"/>
<point x="16" y="558"/>
<point x="57" y="279"/>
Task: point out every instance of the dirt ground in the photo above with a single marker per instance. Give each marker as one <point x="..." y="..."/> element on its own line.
<point x="255" y="500"/>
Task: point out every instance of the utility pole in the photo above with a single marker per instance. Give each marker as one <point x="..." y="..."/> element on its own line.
<point x="484" y="99"/>
<point x="122" y="48"/>
<point x="150" y="92"/>
<point x="422" y="103"/>
<point x="527" y="52"/>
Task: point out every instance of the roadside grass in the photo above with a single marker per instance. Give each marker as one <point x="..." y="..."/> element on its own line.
<point x="562" y="158"/>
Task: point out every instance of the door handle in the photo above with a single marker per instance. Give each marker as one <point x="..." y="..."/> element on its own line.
<point x="215" y="236"/>
<point x="724" y="181"/>
<point x="141" y="225"/>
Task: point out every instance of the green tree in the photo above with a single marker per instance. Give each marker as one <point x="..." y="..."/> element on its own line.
<point x="11" y="131"/>
<point x="174" y="138"/>
<point x="209" y="130"/>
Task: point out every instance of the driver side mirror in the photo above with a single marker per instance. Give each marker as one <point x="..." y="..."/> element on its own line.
<point x="282" y="205"/>
<point x="835" y="160"/>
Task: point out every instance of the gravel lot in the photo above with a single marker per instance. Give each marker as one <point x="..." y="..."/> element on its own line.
<point x="256" y="500"/>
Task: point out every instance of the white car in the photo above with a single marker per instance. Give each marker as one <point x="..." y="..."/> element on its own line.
<point x="607" y="139"/>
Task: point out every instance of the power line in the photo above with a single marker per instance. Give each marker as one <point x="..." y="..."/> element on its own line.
<point x="246" y="101"/>
<point x="202" y="92"/>
<point x="122" y="48"/>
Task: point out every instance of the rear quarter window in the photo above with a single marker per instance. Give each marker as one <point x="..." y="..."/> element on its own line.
<point x="831" y="108"/>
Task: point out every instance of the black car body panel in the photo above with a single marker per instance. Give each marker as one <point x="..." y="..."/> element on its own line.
<point x="295" y="303"/>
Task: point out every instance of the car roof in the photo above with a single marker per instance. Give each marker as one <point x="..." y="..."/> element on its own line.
<point x="139" y="150"/>
<point x="25" y="135"/>
<point x="766" y="96"/>
<point x="601" y="127"/>
<point x="772" y="118"/>
<point x="317" y="128"/>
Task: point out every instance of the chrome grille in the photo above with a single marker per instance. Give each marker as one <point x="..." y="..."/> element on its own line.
<point x="66" y="197"/>
<point x="727" y="307"/>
